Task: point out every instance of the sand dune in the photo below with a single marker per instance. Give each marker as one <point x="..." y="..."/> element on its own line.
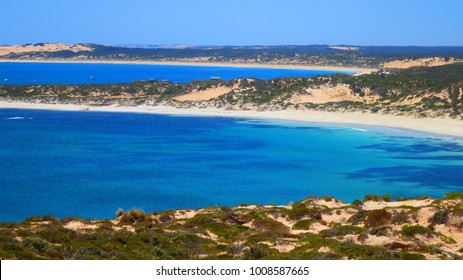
<point x="329" y="93"/>
<point x="5" y="50"/>
<point x="207" y="94"/>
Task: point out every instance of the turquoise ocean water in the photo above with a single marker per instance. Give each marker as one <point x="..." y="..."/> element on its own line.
<point x="89" y="164"/>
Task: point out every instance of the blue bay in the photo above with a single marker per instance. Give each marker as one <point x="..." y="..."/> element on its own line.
<point x="95" y="73"/>
<point x="89" y="164"/>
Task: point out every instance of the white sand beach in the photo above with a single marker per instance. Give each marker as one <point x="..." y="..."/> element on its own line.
<point x="441" y="126"/>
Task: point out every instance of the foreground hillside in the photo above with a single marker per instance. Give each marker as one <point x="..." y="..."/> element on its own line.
<point x="315" y="228"/>
<point x="418" y="91"/>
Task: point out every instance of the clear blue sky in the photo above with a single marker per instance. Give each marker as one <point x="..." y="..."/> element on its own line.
<point x="233" y="22"/>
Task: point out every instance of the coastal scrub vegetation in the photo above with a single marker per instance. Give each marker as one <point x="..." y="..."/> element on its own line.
<point x="314" y="228"/>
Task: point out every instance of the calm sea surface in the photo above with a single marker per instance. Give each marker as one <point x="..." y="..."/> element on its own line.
<point x="93" y="73"/>
<point x="90" y="164"/>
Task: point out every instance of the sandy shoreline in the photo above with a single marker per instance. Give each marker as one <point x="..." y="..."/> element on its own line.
<point x="435" y="126"/>
<point x="356" y="70"/>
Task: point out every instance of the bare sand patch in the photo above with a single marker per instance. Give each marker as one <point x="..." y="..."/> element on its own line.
<point x="373" y="205"/>
<point x="329" y="93"/>
<point x="78" y="225"/>
<point x="207" y="94"/>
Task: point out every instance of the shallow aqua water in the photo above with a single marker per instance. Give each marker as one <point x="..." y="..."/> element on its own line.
<point x="89" y="164"/>
<point x="95" y="73"/>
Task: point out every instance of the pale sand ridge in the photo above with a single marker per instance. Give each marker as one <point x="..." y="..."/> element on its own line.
<point x="421" y="62"/>
<point x="207" y="94"/>
<point x="5" y="50"/>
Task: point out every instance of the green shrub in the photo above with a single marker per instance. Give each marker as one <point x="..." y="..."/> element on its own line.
<point x="454" y="195"/>
<point x="377" y="218"/>
<point x="371" y="197"/>
<point x="225" y="231"/>
<point x="258" y="251"/>
<point x="270" y="227"/>
<point x="134" y="215"/>
<point x="166" y="216"/>
<point x="198" y="220"/>
<point x="440" y="217"/>
<point x="363" y="252"/>
<point x="357" y="203"/>
<point x="300" y="210"/>
<point x="448" y="239"/>
<point x="381" y="231"/>
<point x="387" y="197"/>
<point x="404" y="255"/>
<point x="36" y="244"/>
<point x="415" y="229"/>
<point x="358" y="217"/>
<point x="340" y="230"/>
<point x="400" y="218"/>
<point x="233" y="219"/>
<point x="236" y="248"/>
<point x="304" y="224"/>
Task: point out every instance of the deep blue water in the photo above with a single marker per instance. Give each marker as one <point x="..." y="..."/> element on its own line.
<point x="89" y="164"/>
<point x="82" y="73"/>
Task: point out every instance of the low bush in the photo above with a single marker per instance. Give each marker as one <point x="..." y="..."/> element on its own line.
<point x="340" y="230"/>
<point x="304" y="224"/>
<point x="358" y="217"/>
<point x="363" y="252"/>
<point x="454" y="195"/>
<point x="448" y="239"/>
<point x="440" y="217"/>
<point x="233" y="219"/>
<point x="357" y="203"/>
<point x="404" y="255"/>
<point x="225" y="231"/>
<point x="300" y="210"/>
<point x="270" y="227"/>
<point x="258" y="251"/>
<point x="36" y="243"/>
<point x="400" y="218"/>
<point x="166" y="216"/>
<point x="379" y="231"/>
<point x="387" y="197"/>
<point x="377" y="218"/>
<point x="371" y="197"/>
<point x="198" y="220"/>
<point x="134" y="215"/>
<point x="415" y="229"/>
